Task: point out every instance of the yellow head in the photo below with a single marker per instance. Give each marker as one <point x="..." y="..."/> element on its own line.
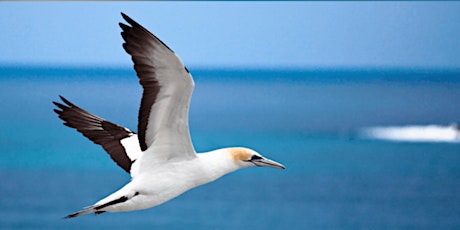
<point x="247" y="158"/>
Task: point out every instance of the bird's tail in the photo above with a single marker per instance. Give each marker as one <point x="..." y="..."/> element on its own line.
<point x="83" y="212"/>
<point x="104" y="203"/>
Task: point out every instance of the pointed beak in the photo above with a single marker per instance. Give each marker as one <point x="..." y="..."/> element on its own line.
<point x="263" y="162"/>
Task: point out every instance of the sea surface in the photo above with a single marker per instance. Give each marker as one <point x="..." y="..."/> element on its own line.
<point x="315" y="121"/>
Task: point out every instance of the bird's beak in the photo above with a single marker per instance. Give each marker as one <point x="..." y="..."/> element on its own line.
<point x="268" y="163"/>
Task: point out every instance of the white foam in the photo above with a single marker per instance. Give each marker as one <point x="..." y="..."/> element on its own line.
<point x="414" y="133"/>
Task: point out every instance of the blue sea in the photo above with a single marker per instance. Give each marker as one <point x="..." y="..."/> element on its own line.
<point x="310" y="120"/>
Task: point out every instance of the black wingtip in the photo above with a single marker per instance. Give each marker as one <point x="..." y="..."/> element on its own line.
<point x="66" y="101"/>
<point x="128" y="19"/>
<point x="56" y="103"/>
<point x="124" y="27"/>
<point x="61" y="106"/>
<point x="57" y="111"/>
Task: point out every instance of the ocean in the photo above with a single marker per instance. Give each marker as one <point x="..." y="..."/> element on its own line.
<point x="320" y="123"/>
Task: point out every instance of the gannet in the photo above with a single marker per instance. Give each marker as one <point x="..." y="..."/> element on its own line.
<point x="160" y="158"/>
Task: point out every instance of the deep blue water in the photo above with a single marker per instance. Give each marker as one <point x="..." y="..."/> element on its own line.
<point x="307" y="119"/>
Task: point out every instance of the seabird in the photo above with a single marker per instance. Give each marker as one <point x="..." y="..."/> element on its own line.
<point x="160" y="158"/>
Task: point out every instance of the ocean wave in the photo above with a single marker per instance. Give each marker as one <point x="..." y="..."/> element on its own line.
<point x="415" y="133"/>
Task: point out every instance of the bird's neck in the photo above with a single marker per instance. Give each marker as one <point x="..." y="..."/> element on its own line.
<point x="217" y="163"/>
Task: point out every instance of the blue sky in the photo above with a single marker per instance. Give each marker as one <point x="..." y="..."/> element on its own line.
<point x="238" y="34"/>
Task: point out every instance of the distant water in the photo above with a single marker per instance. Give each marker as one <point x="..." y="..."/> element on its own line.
<point x="310" y="120"/>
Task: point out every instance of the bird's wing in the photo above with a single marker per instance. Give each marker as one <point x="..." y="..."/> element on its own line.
<point x="113" y="138"/>
<point x="163" y="115"/>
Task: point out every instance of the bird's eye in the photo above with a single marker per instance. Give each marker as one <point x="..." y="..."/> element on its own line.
<point x="255" y="157"/>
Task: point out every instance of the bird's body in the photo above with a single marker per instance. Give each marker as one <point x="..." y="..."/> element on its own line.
<point x="168" y="180"/>
<point x="160" y="158"/>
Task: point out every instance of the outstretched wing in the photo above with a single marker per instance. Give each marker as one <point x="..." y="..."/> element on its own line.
<point x="115" y="140"/>
<point x="163" y="114"/>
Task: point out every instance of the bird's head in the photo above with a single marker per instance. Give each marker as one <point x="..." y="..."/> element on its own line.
<point x="245" y="157"/>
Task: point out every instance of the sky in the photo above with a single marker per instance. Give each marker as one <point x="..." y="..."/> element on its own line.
<point x="237" y="34"/>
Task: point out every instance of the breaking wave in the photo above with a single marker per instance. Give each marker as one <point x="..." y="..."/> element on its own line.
<point x="415" y="133"/>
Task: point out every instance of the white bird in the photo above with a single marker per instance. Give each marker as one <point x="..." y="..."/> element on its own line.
<point x="161" y="159"/>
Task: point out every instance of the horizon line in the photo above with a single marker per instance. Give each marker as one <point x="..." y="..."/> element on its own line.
<point x="238" y="67"/>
